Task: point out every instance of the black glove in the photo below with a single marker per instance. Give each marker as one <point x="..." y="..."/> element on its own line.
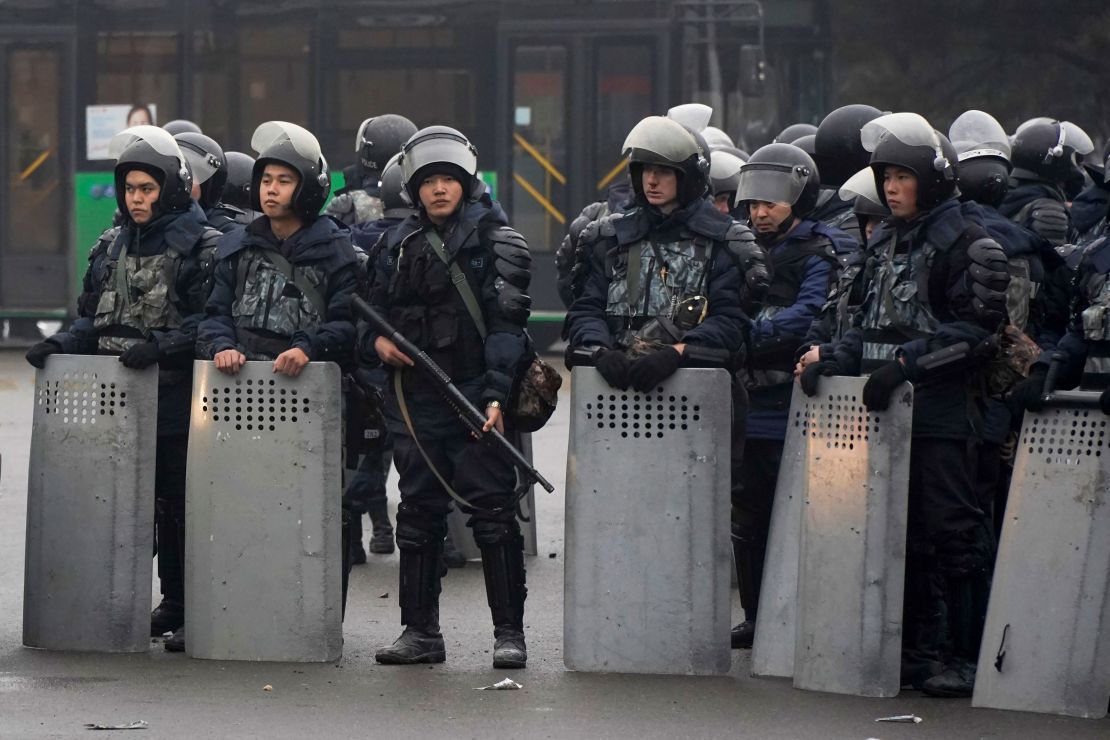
<point x="813" y="371"/>
<point x="1049" y="219"/>
<point x="651" y="370"/>
<point x="613" y="366"/>
<point x="37" y="354"/>
<point x="879" y="387"/>
<point x="1104" y="401"/>
<point x="141" y="355"/>
<point x="1029" y="393"/>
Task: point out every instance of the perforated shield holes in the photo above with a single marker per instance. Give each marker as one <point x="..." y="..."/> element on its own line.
<point x="255" y="404"/>
<point x="841" y="420"/>
<point x="90" y="504"/>
<point x="642" y="415"/>
<point x="1070" y="437"/>
<point x="79" y="396"/>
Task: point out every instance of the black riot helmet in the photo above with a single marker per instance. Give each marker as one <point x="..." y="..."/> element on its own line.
<point x="807" y="144"/>
<point x="181" y="126"/>
<point x="837" y="148"/>
<point x="380" y="137"/>
<point x="780" y="173"/>
<point x="1049" y="150"/>
<point x="391" y="187"/>
<point x="281" y="142"/>
<point x="794" y="131"/>
<point x="153" y="151"/>
<point x="207" y="163"/>
<point x="240" y="170"/>
<point x="663" y="141"/>
<point x="908" y="141"/>
<point x="435" y="150"/>
<point x="724" y="174"/>
<point x="983" y="150"/>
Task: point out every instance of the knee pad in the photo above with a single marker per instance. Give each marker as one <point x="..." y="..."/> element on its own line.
<point x="488" y="533"/>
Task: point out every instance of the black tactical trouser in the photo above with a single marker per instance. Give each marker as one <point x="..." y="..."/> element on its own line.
<point x="752" y="500"/>
<point x="169" y="514"/>
<point x="949" y="555"/>
<point x="480" y="475"/>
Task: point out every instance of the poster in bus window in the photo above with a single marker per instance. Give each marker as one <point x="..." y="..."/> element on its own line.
<point x="102" y="122"/>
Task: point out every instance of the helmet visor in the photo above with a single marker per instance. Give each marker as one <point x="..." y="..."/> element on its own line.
<point x="201" y="164"/>
<point x="693" y="116"/>
<point x="361" y="133"/>
<point x="439" y="147"/>
<point x="1075" y="137"/>
<point x="663" y="137"/>
<point x="157" y="138"/>
<point x="772" y="183"/>
<point x="274" y="132"/>
<point x="908" y="128"/>
<point x="975" y="133"/>
<point x="861" y="185"/>
<point x="715" y="137"/>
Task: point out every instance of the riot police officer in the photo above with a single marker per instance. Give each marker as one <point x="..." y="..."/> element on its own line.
<point x="935" y="290"/>
<point x="366" y="493"/>
<point x="237" y="190"/>
<point x="208" y="164"/>
<point x="282" y="286"/>
<point x="377" y="141"/>
<point x="839" y="155"/>
<point x="142" y="298"/>
<point x="452" y="279"/>
<point x="1045" y="156"/>
<point x="778" y="187"/>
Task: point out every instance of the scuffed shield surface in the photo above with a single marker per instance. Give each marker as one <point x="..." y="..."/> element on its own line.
<point x="262" y="557"/>
<point x="853" y="544"/>
<point x="647" y="526"/>
<point x="1046" y="645"/>
<point x="90" y="506"/>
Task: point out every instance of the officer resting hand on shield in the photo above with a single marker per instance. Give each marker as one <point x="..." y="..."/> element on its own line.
<point x="283" y="285"/>
<point x="935" y="290"/>
<point x="452" y="279"/>
<point x="142" y="299"/>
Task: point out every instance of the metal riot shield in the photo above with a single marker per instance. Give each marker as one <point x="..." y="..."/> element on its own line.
<point x="90" y="506"/>
<point x="263" y="566"/>
<point x="463" y="539"/>
<point x="1046" y="644"/>
<point x="853" y="546"/>
<point x="647" y="526"/>
<point x="776" y="620"/>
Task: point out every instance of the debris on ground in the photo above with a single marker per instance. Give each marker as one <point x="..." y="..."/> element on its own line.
<point x="907" y="718"/>
<point x="506" y="684"/>
<point x="139" y="724"/>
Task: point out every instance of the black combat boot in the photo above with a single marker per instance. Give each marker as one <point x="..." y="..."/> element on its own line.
<point x="923" y="621"/>
<point x="503" y="567"/>
<point x="421" y="641"/>
<point x="381" y="537"/>
<point x="749" y="577"/>
<point x="166" y="617"/>
<point x="967" y="612"/>
<point x="175" y="643"/>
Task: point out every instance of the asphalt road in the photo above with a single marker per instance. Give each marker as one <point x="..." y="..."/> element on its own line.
<point x="53" y="695"/>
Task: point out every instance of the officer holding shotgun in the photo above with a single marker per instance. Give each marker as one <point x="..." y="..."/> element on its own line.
<point x="452" y="278"/>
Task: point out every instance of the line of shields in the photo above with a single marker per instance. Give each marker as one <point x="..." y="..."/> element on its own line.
<point x="648" y="557"/>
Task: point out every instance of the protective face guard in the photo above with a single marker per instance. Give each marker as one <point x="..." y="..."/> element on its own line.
<point x="693" y="116"/>
<point x="977" y="134"/>
<point x="157" y="138"/>
<point x="771" y="183"/>
<point x="911" y="130"/>
<point x="202" y="164"/>
<point x="439" y="147"/>
<point x="724" y="172"/>
<point x="274" y="132"/>
<point x="663" y="137"/>
<point x="862" y="185"/>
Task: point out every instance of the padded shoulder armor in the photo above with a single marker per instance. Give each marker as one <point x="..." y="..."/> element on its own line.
<point x="511" y="258"/>
<point x="750" y="258"/>
<point x="103" y="242"/>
